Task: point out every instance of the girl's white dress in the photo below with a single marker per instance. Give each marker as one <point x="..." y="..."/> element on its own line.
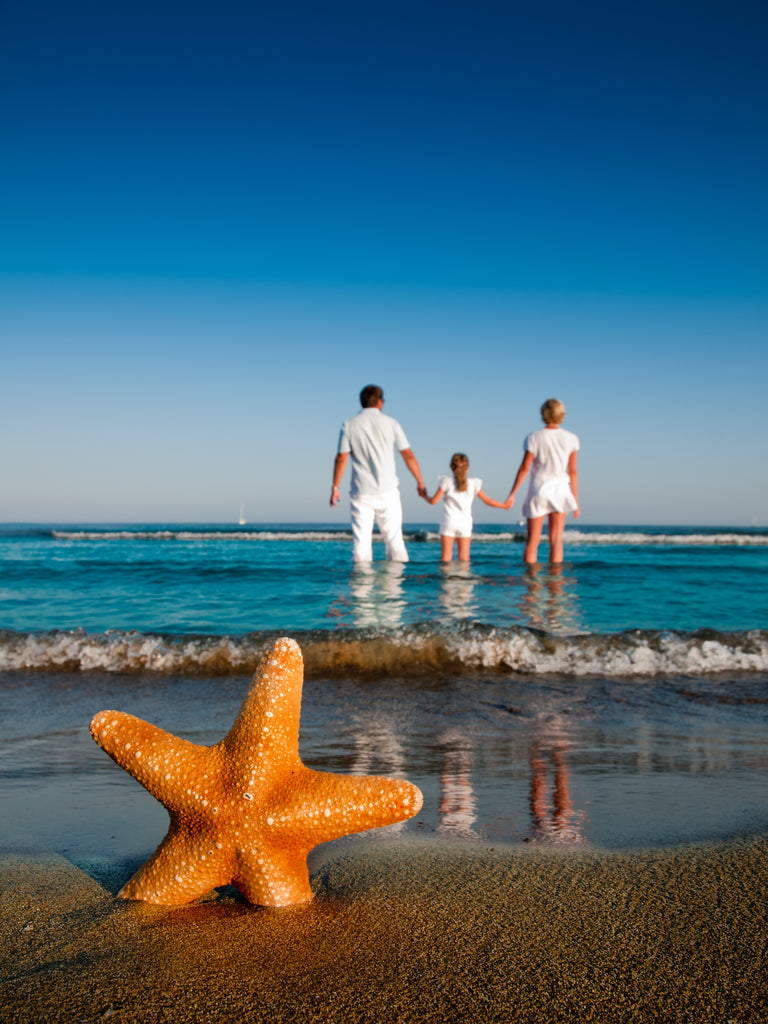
<point x="549" y="489"/>
<point x="456" y="513"/>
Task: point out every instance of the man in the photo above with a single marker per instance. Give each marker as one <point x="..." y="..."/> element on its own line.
<point x="371" y="438"/>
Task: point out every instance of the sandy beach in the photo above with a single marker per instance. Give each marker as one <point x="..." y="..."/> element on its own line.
<point x="405" y="930"/>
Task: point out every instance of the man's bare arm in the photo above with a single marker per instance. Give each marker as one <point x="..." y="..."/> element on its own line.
<point x="339" y="465"/>
<point x="413" y="465"/>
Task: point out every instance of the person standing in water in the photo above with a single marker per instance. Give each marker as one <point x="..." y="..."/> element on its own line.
<point x="458" y="492"/>
<point x="553" y="490"/>
<point x="370" y="439"/>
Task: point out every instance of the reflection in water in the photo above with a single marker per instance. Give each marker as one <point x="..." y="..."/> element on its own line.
<point x="550" y="601"/>
<point x="457" y="585"/>
<point x="553" y="819"/>
<point x="377" y="594"/>
<point x="377" y="742"/>
<point x="458" y="804"/>
<point x="379" y="751"/>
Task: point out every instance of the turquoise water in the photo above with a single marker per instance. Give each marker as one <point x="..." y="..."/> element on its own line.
<point x="619" y="701"/>
<point x="648" y="591"/>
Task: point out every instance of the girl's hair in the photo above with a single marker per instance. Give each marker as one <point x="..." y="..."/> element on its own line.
<point x="459" y="467"/>
<point x="553" y="411"/>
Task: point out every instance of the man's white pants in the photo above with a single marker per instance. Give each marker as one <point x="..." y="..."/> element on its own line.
<point x="387" y="512"/>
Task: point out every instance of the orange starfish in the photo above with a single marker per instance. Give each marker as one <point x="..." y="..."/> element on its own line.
<point x="246" y="810"/>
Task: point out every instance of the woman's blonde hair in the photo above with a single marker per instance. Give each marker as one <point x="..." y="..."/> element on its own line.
<point x="553" y="411"/>
<point x="459" y="467"/>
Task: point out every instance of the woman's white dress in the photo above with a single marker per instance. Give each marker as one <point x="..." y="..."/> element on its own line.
<point x="549" y="488"/>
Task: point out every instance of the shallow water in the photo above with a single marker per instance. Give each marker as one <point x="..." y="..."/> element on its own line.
<point x="216" y="581"/>
<point x="498" y="759"/>
<point x="620" y="700"/>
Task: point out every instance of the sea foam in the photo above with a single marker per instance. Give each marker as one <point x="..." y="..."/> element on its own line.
<point x="407" y="652"/>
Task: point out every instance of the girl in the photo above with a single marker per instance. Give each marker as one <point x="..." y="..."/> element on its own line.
<point x="456" y="515"/>
<point x="554" y="487"/>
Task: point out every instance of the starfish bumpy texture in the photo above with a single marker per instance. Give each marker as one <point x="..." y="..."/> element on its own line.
<point x="245" y="811"/>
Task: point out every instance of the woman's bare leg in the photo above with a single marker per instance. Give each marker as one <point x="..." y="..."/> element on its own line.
<point x="531" y="553"/>
<point x="462" y="543"/>
<point x="556" y="528"/>
<point x="446" y="548"/>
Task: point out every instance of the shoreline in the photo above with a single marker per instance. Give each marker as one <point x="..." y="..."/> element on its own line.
<point x="405" y="930"/>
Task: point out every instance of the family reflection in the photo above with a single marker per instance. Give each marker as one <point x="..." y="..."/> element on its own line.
<point x="376" y="599"/>
<point x="553" y="818"/>
<point x="458" y="803"/>
<point x="376" y="591"/>
<point x="549" y="599"/>
<point x="457" y="586"/>
<point x="542" y="596"/>
<point x="378" y="742"/>
<point x="379" y="751"/>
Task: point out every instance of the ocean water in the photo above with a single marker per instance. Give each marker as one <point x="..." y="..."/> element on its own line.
<point x="619" y="700"/>
<point x="171" y="598"/>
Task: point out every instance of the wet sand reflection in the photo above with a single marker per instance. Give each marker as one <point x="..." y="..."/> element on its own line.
<point x="553" y="818"/>
<point x="379" y="751"/>
<point x="457" y="810"/>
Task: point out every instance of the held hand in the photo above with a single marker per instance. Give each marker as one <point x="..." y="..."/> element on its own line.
<point x="509" y="503"/>
<point x="421" y="490"/>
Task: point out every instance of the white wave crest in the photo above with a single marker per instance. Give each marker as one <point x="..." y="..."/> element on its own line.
<point x="117" y="651"/>
<point x="616" y="656"/>
<point x="679" y="539"/>
<point x="518" y="651"/>
<point x="574" y="537"/>
<point x="200" y="535"/>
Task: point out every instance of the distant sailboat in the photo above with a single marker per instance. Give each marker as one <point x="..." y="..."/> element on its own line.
<point x="241" y="520"/>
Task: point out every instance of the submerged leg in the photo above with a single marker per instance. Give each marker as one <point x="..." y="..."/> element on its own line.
<point x="362" y="530"/>
<point x="390" y="521"/>
<point x="534" y="527"/>
<point x="556" y="530"/>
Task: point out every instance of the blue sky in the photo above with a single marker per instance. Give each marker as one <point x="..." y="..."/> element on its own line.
<point x="219" y="221"/>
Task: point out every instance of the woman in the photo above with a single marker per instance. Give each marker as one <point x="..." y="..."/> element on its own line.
<point x="553" y="491"/>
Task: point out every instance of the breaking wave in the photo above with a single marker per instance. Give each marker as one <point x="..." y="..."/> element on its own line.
<point x="203" y="535"/>
<point x="407" y="652"/>
<point x="680" y="539"/>
<point x="683" y="538"/>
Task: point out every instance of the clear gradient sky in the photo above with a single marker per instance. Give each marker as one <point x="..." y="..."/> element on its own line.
<point x="219" y="220"/>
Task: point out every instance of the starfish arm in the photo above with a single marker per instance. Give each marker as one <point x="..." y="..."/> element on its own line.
<point x="183" y="868"/>
<point x="274" y="876"/>
<point x="165" y="765"/>
<point x="327" y="806"/>
<point x="267" y="725"/>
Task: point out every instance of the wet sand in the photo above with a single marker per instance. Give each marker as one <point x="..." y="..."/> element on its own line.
<point x="405" y="930"/>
